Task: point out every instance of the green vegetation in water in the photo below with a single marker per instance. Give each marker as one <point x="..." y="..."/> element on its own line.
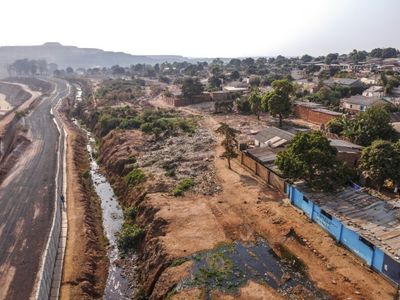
<point x="129" y="236"/>
<point x="182" y="187"/>
<point x="135" y="177"/>
<point x="218" y="268"/>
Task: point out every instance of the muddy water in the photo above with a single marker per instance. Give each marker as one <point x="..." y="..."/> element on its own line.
<point x="229" y="267"/>
<point x="117" y="286"/>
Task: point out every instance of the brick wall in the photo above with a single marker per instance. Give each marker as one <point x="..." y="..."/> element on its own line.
<point x="310" y="115"/>
<point x="178" y="100"/>
<point x="263" y="172"/>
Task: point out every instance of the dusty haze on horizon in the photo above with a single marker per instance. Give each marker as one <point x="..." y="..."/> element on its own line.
<point x="205" y="28"/>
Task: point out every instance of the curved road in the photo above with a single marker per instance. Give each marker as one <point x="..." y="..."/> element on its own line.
<point x="27" y="201"/>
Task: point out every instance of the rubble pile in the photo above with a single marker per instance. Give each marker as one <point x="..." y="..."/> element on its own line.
<point x="179" y="157"/>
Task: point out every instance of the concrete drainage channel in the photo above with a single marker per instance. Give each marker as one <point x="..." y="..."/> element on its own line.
<point x="48" y="286"/>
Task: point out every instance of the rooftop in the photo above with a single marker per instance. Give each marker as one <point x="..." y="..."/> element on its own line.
<point x="376" y="220"/>
<point x="344" y="146"/>
<point x="362" y="100"/>
<point x="271" y="132"/>
<point x="342" y="81"/>
<point x="264" y="155"/>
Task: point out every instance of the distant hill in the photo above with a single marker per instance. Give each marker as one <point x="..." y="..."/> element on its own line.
<point x="71" y="56"/>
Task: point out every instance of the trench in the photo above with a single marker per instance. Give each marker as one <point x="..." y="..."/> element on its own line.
<point x="117" y="285"/>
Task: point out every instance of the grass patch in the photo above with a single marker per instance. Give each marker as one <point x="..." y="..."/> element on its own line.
<point x="217" y="272"/>
<point x="179" y="261"/>
<point x="135" y="177"/>
<point x="182" y="187"/>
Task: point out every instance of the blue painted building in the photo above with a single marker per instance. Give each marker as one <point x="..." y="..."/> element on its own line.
<point x="366" y="225"/>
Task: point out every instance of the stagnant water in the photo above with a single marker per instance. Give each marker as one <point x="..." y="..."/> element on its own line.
<point x="117" y="286"/>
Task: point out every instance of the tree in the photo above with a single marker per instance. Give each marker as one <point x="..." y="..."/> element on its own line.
<point x="380" y="162"/>
<point x="357" y="56"/>
<point x="389" y="52"/>
<point x="310" y="157"/>
<point x="331" y="57"/>
<point x="191" y="86"/>
<point x="214" y="82"/>
<point x="255" y="102"/>
<point x="373" y="124"/>
<point x="69" y="70"/>
<point x="278" y="101"/>
<point x="377" y="53"/>
<point x="306" y="58"/>
<point x="235" y="75"/>
<point x="229" y="142"/>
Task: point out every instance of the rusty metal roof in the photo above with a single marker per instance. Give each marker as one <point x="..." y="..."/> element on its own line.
<point x="375" y="219"/>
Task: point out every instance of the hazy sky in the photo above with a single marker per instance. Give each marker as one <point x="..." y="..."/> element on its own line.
<point x="204" y="28"/>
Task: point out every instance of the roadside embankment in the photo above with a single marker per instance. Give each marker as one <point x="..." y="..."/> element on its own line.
<point x="85" y="263"/>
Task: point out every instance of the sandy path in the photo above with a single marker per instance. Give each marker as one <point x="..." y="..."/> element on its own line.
<point x="7" y="119"/>
<point x="4" y="105"/>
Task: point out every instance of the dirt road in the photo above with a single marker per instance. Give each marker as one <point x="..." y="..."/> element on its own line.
<point x="27" y="201"/>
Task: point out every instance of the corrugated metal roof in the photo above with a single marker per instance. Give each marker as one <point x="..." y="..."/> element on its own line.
<point x="376" y="220"/>
<point x="362" y="100"/>
<point x="271" y="132"/>
<point x="263" y="154"/>
<point x="344" y="144"/>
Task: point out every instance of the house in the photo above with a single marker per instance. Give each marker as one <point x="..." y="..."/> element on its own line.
<point x="359" y="103"/>
<point x="344" y="82"/>
<point x="347" y="152"/>
<point x="272" y="137"/>
<point x="366" y="225"/>
<point x="314" y="113"/>
<point x="375" y="91"/>
<point x="276" y="140"/>
<point x="234" y="89"/>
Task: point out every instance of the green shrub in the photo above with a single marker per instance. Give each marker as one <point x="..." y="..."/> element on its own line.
<point x="129" y="236"/>
<point x="182" y="187"/>
<point x="130" y="213"/>
<point x="135" y="177"/>
<point x="21" y="113"/>
<point x="179" y="261"/>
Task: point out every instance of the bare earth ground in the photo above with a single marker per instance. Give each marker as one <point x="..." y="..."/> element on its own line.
<point x="247" y="208"/>
<point x="7" y="119"/>
<point x="4" y="105"/>
<point x="85" y="261"/>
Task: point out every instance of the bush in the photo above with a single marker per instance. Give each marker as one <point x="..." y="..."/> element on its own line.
<point x="182" y="187"/>
<point x="130" y="213"/>
<point x="21" y="113"/>
<point x="135" y="177"/>
<point x="129" y="236"/>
